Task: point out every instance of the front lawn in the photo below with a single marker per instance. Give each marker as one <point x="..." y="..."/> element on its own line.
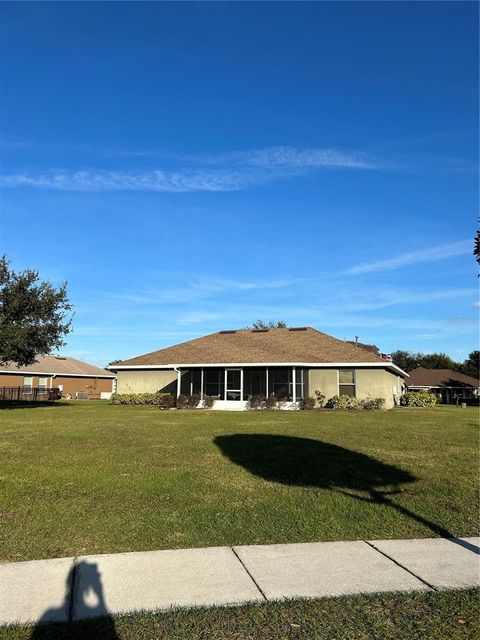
<point x="88" y="477"/>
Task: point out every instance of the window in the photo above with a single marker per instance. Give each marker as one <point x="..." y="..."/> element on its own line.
<point x="42" y="385"/>
<point x="27" y="384"/>
<point x="346" y="382"/>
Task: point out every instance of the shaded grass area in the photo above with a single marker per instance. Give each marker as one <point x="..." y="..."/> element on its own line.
<point x="88" y="477"/>
<point x="412" y="616"/>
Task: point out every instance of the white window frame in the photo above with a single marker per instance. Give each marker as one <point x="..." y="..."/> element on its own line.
<point x="27" y="386"/>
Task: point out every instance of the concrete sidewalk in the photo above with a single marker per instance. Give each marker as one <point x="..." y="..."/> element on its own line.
<point x="69" y="589"/>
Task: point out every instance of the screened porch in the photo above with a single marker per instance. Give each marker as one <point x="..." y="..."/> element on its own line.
<point x="241" y="383"/>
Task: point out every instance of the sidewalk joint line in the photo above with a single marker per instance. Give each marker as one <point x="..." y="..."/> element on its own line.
<point x="399" y="564"/>
<point x="250" y="575"/>
<point x="71" y="600"/>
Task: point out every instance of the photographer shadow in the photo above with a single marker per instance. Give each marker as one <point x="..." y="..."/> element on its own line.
<point x="90" y="601"/>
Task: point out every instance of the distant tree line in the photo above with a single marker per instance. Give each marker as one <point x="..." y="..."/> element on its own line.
<point x="408" y="360"/>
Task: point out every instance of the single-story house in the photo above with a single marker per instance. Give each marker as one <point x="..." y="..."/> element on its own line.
<point x="447" y="384"/>
<point x="232" y="366"/>
<point x="73" y="378"/>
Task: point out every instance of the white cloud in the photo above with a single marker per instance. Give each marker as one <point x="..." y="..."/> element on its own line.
<point x="272" y="157"/>
<point x="161" y="181"/>
<point x="230" y="171"/>
<point x="405" y="259"/>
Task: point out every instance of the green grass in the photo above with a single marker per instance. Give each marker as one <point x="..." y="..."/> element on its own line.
<point x="88" y="477"/>
<point x="451" y="615"/>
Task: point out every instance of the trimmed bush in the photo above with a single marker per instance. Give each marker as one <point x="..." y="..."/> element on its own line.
<point x="271" y="402"/>
<point x="166" y="401"/>
<point x="370" y="404"/>
<point x="208" y="402"/>
<point x="256" y="402"/>
<point x="418" y="399"/>
<point x="320" y="398"/>
<point x="339" y="402"/>
<point x="188" y="402"/>
<point x="135" y="398"/>
<point x="306" y="404"/>
<point x="352" y="404"/>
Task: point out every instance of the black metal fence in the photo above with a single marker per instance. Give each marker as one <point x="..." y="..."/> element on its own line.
<point x="33" y="394"/>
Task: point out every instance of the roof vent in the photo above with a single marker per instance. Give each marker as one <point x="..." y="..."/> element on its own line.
<point x="259" y="330"/>
<point x="229" y="331"/>
<point x="298" y="328"/>
<point x="60" y="358"/>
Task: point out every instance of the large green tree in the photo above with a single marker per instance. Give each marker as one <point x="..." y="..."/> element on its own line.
<point x="35" y="315"/>
<point x="406" y="360"/>
<point x="471" y="366"/>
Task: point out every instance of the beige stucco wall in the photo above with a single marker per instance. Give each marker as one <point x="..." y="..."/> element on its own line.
<point x="378" y="383"/>
<point x="324" y="380"/>
<point x="373" y="383"/>
<point x="141" y="381"/>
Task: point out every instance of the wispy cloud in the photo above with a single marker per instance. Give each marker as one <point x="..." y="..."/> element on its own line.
<point x="160" y="181"/>
<point x="231" y="171"/>
<point x="185" y="288"/>
<point x="406" y="259"/>
<point x="292" y="157"/>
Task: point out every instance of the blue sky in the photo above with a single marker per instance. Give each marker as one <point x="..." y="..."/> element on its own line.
<point x="193" y="167"/>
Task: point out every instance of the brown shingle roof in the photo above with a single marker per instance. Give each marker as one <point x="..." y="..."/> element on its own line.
<point x="58" y="365"/>
<point x="422" y="377"/>
<point x="275" y="345"/>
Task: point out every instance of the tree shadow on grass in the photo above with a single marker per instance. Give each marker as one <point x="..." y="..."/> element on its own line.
<point x="30" y="405"/>
<point x="312" y="463"/>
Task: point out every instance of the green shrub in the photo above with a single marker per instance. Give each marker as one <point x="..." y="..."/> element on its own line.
<point x="166" y="401"/>
<point x="135" y="398"/>
<point x="418" y="399"/>
<point x="306" y="404"/>
<point x="208" y="402"/>
<point x="353" y="404"/>
<point x="185" y="401"/>
<point x="271" y="402"/>
<point x="339" y="402"/>
<point x="320" y="398"/>
<point x="370" y="404"/>
<point x="256" y="402"/>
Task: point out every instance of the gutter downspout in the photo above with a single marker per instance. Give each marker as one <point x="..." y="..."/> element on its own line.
<point x="179" y="377"/>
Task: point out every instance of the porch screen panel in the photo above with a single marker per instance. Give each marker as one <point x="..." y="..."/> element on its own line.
<point x="196" y="381"/>
<point x="300" y="389"/>
<point x="254" y="383"/>
<point x="214" y="382"/>
<point x="279" y="382"/>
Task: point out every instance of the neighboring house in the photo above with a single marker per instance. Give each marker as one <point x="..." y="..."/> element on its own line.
<point x="449" y="385"/>
<point x="290" y="363"/>
<point x="72" y="377"/>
